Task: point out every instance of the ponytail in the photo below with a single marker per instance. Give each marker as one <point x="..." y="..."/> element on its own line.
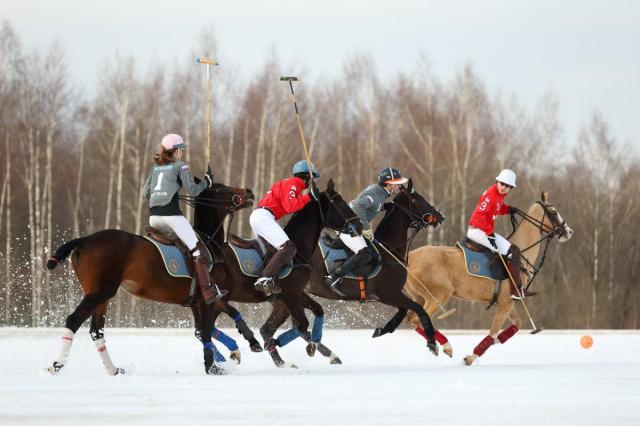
<point x="165" y="156"/>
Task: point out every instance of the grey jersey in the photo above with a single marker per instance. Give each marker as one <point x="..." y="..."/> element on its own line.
<point x="368" y="203"/>
<point x="164" y="181"/>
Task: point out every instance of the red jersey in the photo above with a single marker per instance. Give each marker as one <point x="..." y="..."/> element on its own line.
<point x="490" y="205"/>
<point x="285" y="197"/>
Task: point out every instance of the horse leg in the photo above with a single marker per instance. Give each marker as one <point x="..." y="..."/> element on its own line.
<point x="491" y="338"/>
<point x="392" y="325"/>
<point x="207" y="315"/>
<point x="400" y="301"/>
<point x="278" y="316"/>
<point x="97" y="335"/>
<point x="243" y="328"/>
<point x="316" y="330"/>
<point x="440" y="338"/>
<point x="294" y="304"/>
<point x="83" y="311"/>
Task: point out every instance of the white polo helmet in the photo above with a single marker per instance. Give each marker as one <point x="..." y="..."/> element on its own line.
<point x="507" y="176"/>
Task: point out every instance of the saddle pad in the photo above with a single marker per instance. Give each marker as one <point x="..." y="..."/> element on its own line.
<point x="478" y="264"/>
<point x="332" y="255"/>
<point x="173" y="259"/>
<point x="251" y="262"/>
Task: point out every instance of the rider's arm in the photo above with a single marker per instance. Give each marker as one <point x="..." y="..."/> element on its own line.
<point x="189" y="184"/>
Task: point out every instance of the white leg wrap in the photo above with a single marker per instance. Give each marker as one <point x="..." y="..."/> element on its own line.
<point x="104" y="355"/>
<point x="67" y="340"/>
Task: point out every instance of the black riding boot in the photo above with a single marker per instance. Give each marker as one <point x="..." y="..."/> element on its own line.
<point x="266" y="283"/>
<point x="355" y="261"/>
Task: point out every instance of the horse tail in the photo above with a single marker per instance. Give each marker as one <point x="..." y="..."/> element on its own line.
<point x="64" y="251"/>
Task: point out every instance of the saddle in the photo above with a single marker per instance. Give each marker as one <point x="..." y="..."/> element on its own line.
<point x="481" y="261"/>
<point x="253" y="255"/>
<point x="334" y="252"/>
<point x="175" y="268"/>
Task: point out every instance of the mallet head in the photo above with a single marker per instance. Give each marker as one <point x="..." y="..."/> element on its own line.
<point x="207" y="61"/>
<point x="289" y="78"/>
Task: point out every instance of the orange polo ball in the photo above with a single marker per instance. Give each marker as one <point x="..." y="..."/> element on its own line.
<point x="586" y="342"/>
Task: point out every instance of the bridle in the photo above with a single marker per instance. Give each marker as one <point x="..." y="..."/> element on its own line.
<point x="418" y="222"/>
<point x="557" y="230"/>
<point x="219" y="200"/>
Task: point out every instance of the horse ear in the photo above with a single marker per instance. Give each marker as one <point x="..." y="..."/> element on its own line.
<point x="544" y="196"/>
<point x="410" y="185"/>
<point x="330" y="185"/>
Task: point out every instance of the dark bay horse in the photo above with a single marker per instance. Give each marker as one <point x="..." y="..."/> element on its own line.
<point x="110" y="259"/>
<point x="304" y="229"/>
<point x="407" y="210"/>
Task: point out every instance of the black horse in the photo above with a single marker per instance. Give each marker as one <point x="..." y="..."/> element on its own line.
<point x="407" y="210"/>
<point x="109" y="259"/>
<point x="304" y="229"/>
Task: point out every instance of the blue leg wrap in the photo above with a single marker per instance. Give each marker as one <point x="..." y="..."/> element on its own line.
<point x="238" y="317"/>
<point x="217" y="356"/>
<point x="224" y="339"/>
<point x="288" y="336"/>
<point x="316" y="331"/>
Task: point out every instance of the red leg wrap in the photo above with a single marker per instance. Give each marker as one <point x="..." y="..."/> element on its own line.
<point x="421" y="332"/>
<point x="483" y="346"/>
<point x="507" y="333"/>
<point x="441" y="338"/>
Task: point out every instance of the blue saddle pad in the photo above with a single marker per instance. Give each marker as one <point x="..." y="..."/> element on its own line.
<point x="173" y="258"/>
<point x="478" y="263"/>
<point x="251" y="262"/>
<point x="333" y="255"/>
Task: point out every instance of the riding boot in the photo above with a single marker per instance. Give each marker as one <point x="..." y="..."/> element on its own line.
<point x="281" y="258"/>
<point x="513" y="264"/>
<point x="355" y="261"/>
<point x="209" y="292"/>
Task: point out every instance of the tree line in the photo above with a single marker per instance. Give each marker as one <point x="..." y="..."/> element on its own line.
<point x="74" y="164"/>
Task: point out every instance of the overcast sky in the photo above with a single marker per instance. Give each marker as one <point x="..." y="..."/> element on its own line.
<point x="586" y="51"/>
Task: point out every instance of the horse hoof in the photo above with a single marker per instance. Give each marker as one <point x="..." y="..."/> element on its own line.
<point x="118" y="371"/>
<point x="433" y="348"/>
<point x="377" y="333"/>
<point x="335" y="360"/>
<point x="55" y="368"/>
<point x="214" y="370"/>
<point x="291" y="365"/>
<point x="468" y="360"/>
<point x="270" y="344"/>
<point x="447" y="349"/>
<point x="311" y="348"/>
<point x="256" y="347"/>
<point x="235" y="356"/>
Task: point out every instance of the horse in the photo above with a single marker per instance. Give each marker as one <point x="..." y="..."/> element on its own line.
<point x="112" y="258"/>
<point x="407" y="210"/>
<point x="440" y="274"/>
<point x="304" y="229"/>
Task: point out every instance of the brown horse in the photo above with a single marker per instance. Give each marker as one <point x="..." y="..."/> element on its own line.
<point x="110" y="259"/>
<point x="407" y="210"/>
<point x="441" y="273"/>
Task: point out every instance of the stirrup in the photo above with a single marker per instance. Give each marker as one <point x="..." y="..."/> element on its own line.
<point x="220" y="293"/>
<point x="267" y="286"/>
<point x="335" y="283"/>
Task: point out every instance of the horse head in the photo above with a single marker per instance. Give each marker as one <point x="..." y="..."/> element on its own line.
<point x="416" y="207"/>
<point x="550" y="219"/>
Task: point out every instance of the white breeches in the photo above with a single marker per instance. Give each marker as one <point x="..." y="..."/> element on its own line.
<point x="180" y="226"/>
<point x="265" y="225"/>
<point x="354" y="243"/>
<point x="478" y="236"/>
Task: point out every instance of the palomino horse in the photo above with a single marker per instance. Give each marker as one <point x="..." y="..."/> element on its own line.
<point x="110" y="259"/>
<point x="407" y="210"/>
<point x="304" y="228"/>
<point x="442" y="271"/>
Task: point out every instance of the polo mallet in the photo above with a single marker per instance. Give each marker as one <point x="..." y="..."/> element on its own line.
<point x="536" y="330"/>
<point x="444" y="313"/>
<point x="208" y="62"/>
<point x="291" y="79"/>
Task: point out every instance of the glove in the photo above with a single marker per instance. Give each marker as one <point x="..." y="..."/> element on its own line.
<point x="313" y="191"/>
<point x="209" y="178"/>
<point x="368" y="234"/>
<point x="492" y="240"/>
<point x="513" y="210"/>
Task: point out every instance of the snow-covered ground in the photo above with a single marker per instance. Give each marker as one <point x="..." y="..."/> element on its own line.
<point x="540" y="379"/>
